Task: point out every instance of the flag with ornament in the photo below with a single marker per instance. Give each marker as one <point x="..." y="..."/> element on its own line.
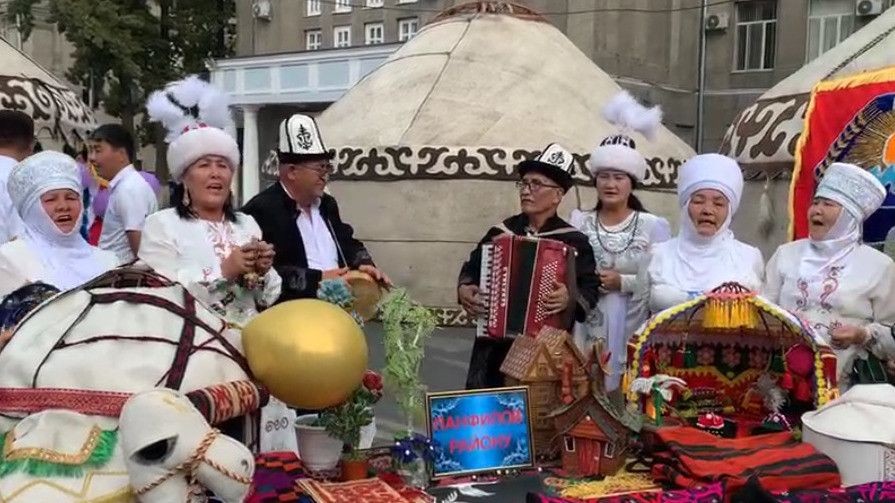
<point x="851" y="119"/>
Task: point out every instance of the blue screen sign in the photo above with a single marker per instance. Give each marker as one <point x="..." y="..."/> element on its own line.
<point x="480" y="431"/>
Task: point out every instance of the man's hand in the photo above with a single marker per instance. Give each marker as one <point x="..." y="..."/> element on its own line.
<point x="378" y="275"/>
<point x="558" y="300"/>
<point x="471" y="300"/>
<point x="610" y="280"/>
<point x="5" y="336"/>
<point x="890" y="369"/>
<point x="848" y="335"/>
<point x="334" y="273"/>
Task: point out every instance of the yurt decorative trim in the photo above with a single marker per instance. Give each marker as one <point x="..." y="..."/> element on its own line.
<point x="732" y="337"/>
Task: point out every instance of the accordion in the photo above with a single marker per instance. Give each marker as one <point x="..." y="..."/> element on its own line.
<point x="517" y="275"/>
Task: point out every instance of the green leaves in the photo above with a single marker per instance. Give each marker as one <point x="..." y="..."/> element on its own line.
<point x="407" y="327"/>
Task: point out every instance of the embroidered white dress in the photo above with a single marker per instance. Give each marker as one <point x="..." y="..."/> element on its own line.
<point x="625" y="248"/>
<point x="191" y="251"/>
<point x="857" y="292"/>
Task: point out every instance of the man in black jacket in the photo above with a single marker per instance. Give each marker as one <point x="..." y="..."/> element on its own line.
<point x="544" y="182"/>
<point x="302" y="221"/>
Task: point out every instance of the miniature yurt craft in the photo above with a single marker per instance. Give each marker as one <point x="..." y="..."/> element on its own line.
<point x="743" y="360"/>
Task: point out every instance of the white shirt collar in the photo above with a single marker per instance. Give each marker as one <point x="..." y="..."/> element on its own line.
<point x="121" y="174"/>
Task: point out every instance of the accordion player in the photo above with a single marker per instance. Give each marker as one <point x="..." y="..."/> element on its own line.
<point x="517" y="273"/>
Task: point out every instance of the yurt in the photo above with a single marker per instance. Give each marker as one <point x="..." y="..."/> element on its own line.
<point x="60" y="117"/>
<point x="428" y="143"/>
<point x="763" y="137"/>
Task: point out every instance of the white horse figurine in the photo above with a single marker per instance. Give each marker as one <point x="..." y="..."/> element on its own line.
<point x="172" y="454"/>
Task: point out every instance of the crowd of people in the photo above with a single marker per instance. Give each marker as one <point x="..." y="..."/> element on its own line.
<point x="282" y="243"/>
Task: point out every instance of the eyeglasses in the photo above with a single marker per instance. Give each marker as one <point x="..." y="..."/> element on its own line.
<point x="534" y="185"/>
<point x="320" y="169"/>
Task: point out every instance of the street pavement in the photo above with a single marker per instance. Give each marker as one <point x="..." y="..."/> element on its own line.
<point x="443" y="369"/>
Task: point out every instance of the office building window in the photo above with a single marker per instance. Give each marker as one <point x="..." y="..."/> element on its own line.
<point x="342" y="6"/>
<point x="407" y="28"/>
<point x="373" y="33"/>
<point x="407" y="1"/>
<point x="313" y="7"/>
<point x="829" y="22"/>
<point x="313" y="40"/>
<point x="374" y="3"/>
<point x="756" y="35"/>
<point x="342" y="36"/>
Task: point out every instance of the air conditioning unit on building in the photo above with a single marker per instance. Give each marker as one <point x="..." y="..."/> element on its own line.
<point x="261" y="9"/>
<point x="868" y="7"/>
<point x="717" y="22"/>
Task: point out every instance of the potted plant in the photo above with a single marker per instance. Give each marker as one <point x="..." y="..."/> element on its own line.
<point x="407" y="326"/>
<point x="345" y="421"/>
<point x="318" y="450"/>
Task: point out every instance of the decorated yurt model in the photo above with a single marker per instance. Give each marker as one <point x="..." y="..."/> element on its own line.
<point x="764" y="136"/>
<point x="59" y="115"/>
<point x="740" y="357"/>
<point x="427" y="144"/>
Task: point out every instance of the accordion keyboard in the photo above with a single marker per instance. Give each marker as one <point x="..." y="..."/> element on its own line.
<point x="481" y="329"/>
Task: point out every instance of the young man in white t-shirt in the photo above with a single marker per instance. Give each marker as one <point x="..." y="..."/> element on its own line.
<point x="16" y="143"/>
<point x="131" y="198"/>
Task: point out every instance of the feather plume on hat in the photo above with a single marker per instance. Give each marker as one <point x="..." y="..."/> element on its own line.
<point x="626" y="113"/>
<point x="618" y="151"/>
<point x="197" y="116"/>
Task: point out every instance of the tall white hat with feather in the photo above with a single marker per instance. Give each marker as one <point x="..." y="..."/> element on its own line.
<point x="618" y="152"/>
<point x="197" y="116"/>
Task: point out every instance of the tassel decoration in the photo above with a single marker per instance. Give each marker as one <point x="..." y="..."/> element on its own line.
<point x="729" y="306"/>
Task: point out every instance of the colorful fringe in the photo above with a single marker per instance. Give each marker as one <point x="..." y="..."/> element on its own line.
<point x="99" y="457"/>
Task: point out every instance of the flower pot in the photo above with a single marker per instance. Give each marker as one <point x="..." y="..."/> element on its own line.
<point x="354" y="469"/>
<point x="318" y="451"/>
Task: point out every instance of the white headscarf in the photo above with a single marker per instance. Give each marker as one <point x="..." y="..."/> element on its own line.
<point x="860" y="194"/>
<point x="68" y="260"/>
<point x="702" y="263"/>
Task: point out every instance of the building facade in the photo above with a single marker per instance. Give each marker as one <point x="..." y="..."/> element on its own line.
<point x="652" y="47"/>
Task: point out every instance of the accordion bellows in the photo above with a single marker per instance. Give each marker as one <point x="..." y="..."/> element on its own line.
<point x="517" y="275"/>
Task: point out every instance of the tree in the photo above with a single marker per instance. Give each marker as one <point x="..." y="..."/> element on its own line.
<point x="125" y="49"/>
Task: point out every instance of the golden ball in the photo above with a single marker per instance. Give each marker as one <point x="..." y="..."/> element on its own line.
<point x="309" y="353"/>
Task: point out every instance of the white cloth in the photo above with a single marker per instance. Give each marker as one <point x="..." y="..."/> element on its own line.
<point x="66" y="259"/>
<point x="131" y="200"/>
<point x="691" y="264"/>
<point x="11" y="224"/>
<point x="20" y="265"/>
<point x="841" y="240"/>
<point x="855" y="291"/>
<point x="190" y="251"/>
<point x="320" y="247"/>
<point x="625" y="248"/>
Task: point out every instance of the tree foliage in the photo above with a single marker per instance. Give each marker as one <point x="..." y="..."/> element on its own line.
<point x="125" y="49"/>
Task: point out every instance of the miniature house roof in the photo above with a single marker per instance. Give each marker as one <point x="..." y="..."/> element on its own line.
<point x="763" y="136"/>
<point x="487" y="74"/>
<point x="552" y="347"/>
<point x="614" y="421"/>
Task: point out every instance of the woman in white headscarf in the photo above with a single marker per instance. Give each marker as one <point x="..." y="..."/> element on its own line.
<point x="705" y="254"/>
<point x="841" y="287"/>
<point x="46" y="192"/>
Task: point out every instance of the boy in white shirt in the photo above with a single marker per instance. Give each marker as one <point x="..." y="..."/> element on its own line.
<point x="16" y="143"/>
<point x="131" y="198"/>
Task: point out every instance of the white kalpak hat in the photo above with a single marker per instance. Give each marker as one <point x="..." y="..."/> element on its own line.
<point x="196" y="115"/>
<point x="300" y="140"/>
<point x="856" y="189"/>
<point x="40" y="173"/>
<point x="618" y="152"/>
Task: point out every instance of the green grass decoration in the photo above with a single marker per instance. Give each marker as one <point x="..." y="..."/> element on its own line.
<point x="100" y="457"/>
<point x="408" y="326"/>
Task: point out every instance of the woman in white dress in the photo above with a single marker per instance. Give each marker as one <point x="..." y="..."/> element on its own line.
<point x="705" y="253"/>
<point x="201" y="242"/>
<point x="839" y="286"/>
<point x="46" y="192"/>
<point x="621" y="233"/>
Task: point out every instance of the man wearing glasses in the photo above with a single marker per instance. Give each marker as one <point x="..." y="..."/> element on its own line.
<point x="301" y="220"/>
<point x="544" y="182"/>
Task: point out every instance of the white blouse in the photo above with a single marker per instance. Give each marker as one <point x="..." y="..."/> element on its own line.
<point x="857" y="293"/>
<point x="20" y="265"/>
<point x="190" y="251"/>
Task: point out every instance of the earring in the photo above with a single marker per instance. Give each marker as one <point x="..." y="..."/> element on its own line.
<point x="186" y="197"/>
